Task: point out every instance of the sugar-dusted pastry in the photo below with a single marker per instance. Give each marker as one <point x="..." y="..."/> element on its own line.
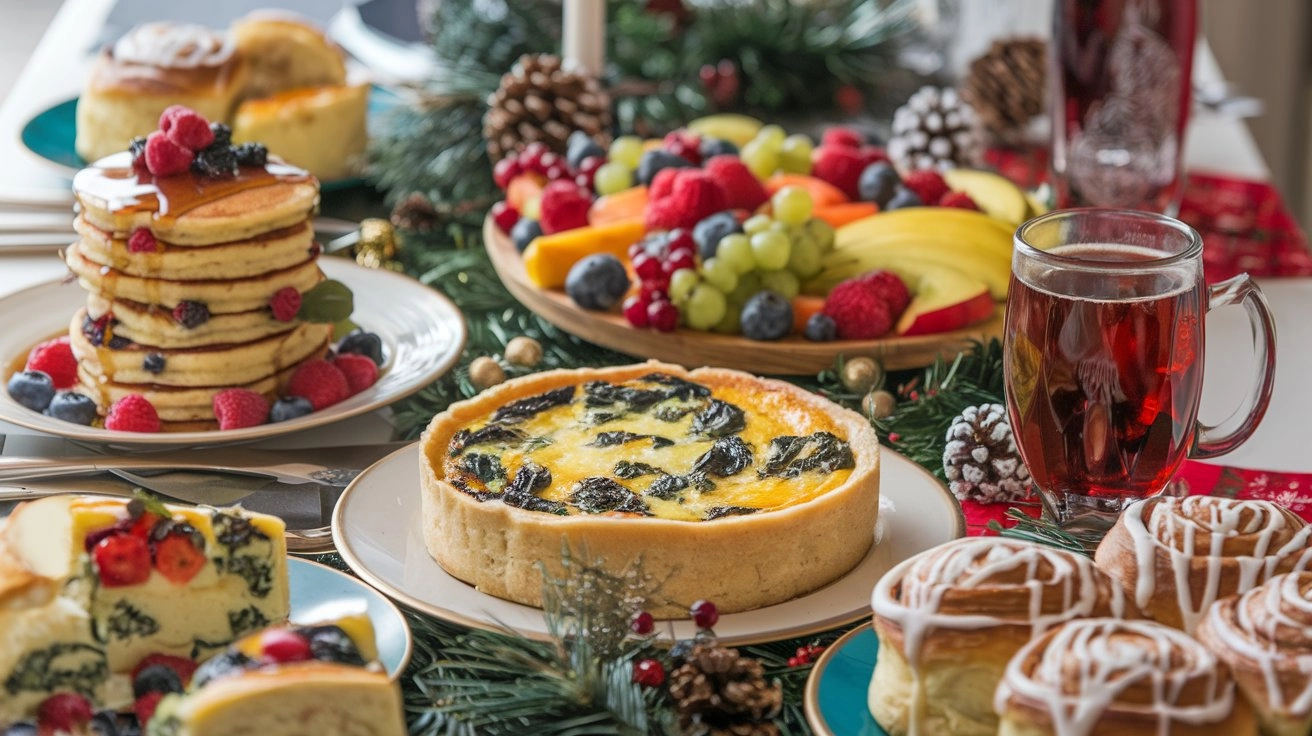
<point x="285" y="52"/>
<point x="729" y="487"/>
<point x="321" y="129"/>
<point x="1265" y="636"/>
<point x="1176" y="556"/>
<point x="1108" y="677"/>
<point x="152" y="67"/>
<point x="949" y="620"/>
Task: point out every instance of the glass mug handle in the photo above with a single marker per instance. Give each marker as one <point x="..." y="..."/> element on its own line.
<point x="1231" y="433"/>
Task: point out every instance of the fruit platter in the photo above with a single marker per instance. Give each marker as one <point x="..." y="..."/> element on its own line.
<point x="732" y="243"/>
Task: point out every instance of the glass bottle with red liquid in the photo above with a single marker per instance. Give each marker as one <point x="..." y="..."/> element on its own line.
<point x="1120" y="90"/>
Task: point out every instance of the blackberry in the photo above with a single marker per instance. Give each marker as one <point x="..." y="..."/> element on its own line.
<point x="153" y="363"/>
<point x="71" y="406"/>
<point x="222" y="134"/>
<point x="156" y="678"/>
<point x="137" y="147"/>
<point x="118" y="343"/>
<point x="252" y="154"/>
<point x="215" y="161"/>
<point x="191" y="314"/>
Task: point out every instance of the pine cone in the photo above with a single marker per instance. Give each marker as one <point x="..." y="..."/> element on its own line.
<point x="981" y="460"/>
<point x="415" y="213"/>
<point x="935" y="129"/>
<point x="718" y="692"/>
<point x="1006" y="85"/>
<point x="540" y="101"/>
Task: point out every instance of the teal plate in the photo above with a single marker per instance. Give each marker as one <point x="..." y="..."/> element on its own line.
<point x="836" y="691"/>
<point x="51" y="135"/>
<point x="320" y="592"/>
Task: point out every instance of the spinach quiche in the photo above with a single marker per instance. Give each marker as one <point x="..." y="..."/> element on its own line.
<point x="725" y="486"/>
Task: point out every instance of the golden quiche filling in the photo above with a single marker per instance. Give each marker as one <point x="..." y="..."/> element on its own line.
<point x="659" y="446"/>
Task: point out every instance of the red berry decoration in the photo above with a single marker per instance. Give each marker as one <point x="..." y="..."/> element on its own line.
<point x="122" y="559"/>
<point x="64" y="712"/>
<point x="284" y="645"/>
<point x="680" y="241"/>
<point x="642" y="623"/>
<point x="504" y="215"/>
<point x="178" y="559"/>
<point x="189" y="129"/>
<point x="361" y="371"/>
<point x="649" y="673"/>
<point x="960" y="200"/>
<point x="662" y="315"/>
<point x="557" y="172"/>
<point x="132" y="413"/>
<point x="286" y="302"/>
<point x="647" y="266"/>
<point x="506" y="169"/>
<point x="55" y="359"/>
<point x="530" y="159"/>
<point x="704" y="614"/>
<point x="635" y="311"/>
<point x="319" y="381"/>
<point x="927" y="184"/>
<point x="680" y="259"/>
<point x="144" y="706"/>
<point x="164" y="157"/>
<point x="142" y="241"/>
<point x="237" y="408"/>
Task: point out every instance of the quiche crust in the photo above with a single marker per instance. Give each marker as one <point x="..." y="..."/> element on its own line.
<point x="739" y="562"/>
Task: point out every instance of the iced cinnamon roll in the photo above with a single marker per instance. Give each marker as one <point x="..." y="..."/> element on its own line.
<point x="152" y="67"/>
<point x="1108" y="677"/>
<point x="1176" y="556"/>
<point x="1265" y="636"/>
<point x="950" y="619"/>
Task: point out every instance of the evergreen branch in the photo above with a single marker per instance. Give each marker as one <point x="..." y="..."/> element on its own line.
<point x="1046" y="531"/>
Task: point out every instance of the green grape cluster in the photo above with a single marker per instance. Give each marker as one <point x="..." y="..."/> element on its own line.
<point x="773" y="150"/>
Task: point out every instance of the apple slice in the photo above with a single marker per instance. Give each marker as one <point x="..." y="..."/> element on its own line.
<point x="944" y="300"/>
<point x="995" y="194"/>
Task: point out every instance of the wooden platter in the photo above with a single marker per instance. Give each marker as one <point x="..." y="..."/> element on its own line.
<point x="793" y="355"/>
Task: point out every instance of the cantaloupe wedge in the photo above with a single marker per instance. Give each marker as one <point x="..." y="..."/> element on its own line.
<point x="805" y="305"/>
<point x="549" y="258"/>
<point x="823" y="194"/>
<point x="625" y="205"/>
<point x="838" y="215"/>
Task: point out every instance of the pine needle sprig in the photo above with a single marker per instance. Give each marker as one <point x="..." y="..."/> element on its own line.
<point x="1044" y="530"/>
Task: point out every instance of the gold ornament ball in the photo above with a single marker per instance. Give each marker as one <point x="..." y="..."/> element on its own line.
<point x="485" y="372"/>
<point x="879" y="404"/>
<point x="860" y="375"/>
<point x="524" y="351"/>
<point x="377" y="235"/>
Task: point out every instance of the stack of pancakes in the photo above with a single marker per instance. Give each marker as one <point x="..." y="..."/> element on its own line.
<point x="223" y="247"/>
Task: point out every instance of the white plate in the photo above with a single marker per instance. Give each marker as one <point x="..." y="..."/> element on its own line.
<point x="422" y="331"/>
<point x="319" y="593"/>
<point x="376" y="527"/>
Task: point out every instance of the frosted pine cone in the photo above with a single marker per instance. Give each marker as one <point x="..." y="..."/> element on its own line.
<point x="935" y="129"/>
<point x="981" y="460"/>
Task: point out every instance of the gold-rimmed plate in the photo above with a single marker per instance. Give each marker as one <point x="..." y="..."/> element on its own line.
<point x="377" y="530"/>
<point x="835" y="697"/>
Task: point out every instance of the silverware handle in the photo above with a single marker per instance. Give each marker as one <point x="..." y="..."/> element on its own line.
<point x="27" y="468"/>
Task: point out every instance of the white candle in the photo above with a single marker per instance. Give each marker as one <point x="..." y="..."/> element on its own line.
<point x="583" y="41"/>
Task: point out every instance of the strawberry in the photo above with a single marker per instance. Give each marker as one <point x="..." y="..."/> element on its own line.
<point x="284" y="645"/>
<point x="286" y="302"/>
<point x="319" y="381"/>
<point x="842" y="137"/>
<point x="237" y="408"/>
<point x="142" y="240"/>
<point x="122" y="559"/>
<point x="189" y="129"/>
<point x="360" y="371"/>
<point x="183" y="666"/>
<point x="132" y="413"/>
<point x="694" y="196"/>
<point x="839" y="166"/>
<point x="55" y="359"/>
<point x="927" y="184"/>
<point x="177" y="558"/>
<point x="63" y="713"/>
<point x="742" y="190"/>
<point x="564" y="206"/>
<point x="960" y="200"/>
<point x="144" y="706"/>
<point x="165" y="157"/>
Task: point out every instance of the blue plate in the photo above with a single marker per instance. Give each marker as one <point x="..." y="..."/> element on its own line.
<point x="51" y="135"/>
<point x="836" y="691"/>
<point x="320" y="592"/>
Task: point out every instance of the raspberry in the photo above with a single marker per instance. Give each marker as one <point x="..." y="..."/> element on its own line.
<point x="694" y="196"/>
<point x="839" y="166"/>
<point x="64" y="712"/>
<point x="564" y="206"/>
<point x="842" y="137"/>
<point x="142" y="241"/>
<point x="55" y="359"/>
<point x="189" y="129"/>
<point x="858" y="311"/>
<point x="237" y="408"/>
<point x="284" y="645"/>
<point x="742" y="190"/>
<point x="360" y="371"/>
<point x="662" y="184"/>
<point x="319" y="381"/>
<point x="170" y="112"/>
<point x="178" y="559"/>
<point x="191" y="314"/>
<point x="888" y="287"/>
<point x="164" y="157"/>
<point x="927" y="184"/>
<point x="122" y="559"/>
<point x="960" y="200"/>
<point x="144" y="706"/>
<point x="286" y="302"/>
<point x="181" y="665"/>
<point x="132" y="413"/>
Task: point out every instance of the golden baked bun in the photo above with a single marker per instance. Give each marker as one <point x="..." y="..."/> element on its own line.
<point x="286" y="52"/>
<point x="1176" y="556"/>
<point x="1108" y="677"/>
<point x="949" y="620"/>
<point x="152" y="67"/>
<point x="1265" y="636"/>
<point x="320" y="129"/>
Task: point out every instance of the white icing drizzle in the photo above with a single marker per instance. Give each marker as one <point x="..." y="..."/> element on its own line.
<point x="1112" y="656"/>
<point x="1287" y="601"/>
<point x="1154" y="523"/>
<point x="174" y="45"/>
<point x="911" y="594"/>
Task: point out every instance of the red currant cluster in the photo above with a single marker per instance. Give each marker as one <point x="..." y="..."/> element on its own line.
<point x="124" y="554"/>
<point x="654" y="259"/>
<point x="806" y="655"/>
<point x="651" y="672"/>
<point x="538" y="159"/>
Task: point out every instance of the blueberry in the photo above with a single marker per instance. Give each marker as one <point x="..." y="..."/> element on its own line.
<point x="821" y="328"/>
<point x="153" y="363"/>
<point x="767" y="316"/>
<point x="72" y="406"/>
<point x="878" y="183"/>
<point x="331" y="644"/>
<point x="220" y="665"/>
<point x="903" y="198"/>
<point x="597" y="282"/>
<point x="290" y="407"/>
<point x="524" y="232"/>
<point x="20" y="728"/>
<point x="363" y="343"/>
<point x="156" y="678"/>
<point x="32" y="389"/>
<point x="656" y="159"/>
<point x="712" y="229"/>
<point x="190" y="314"/>
<point x="716" y="147"/>
<point x="580" y="146"/>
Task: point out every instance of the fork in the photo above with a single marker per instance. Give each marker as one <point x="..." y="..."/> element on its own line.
<point x="291" y="473"/>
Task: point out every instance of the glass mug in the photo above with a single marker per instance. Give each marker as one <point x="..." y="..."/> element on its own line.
<point x="1103" y="358"/>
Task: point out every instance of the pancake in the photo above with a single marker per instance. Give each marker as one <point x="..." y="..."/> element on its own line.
<point x="266" y="252"/>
